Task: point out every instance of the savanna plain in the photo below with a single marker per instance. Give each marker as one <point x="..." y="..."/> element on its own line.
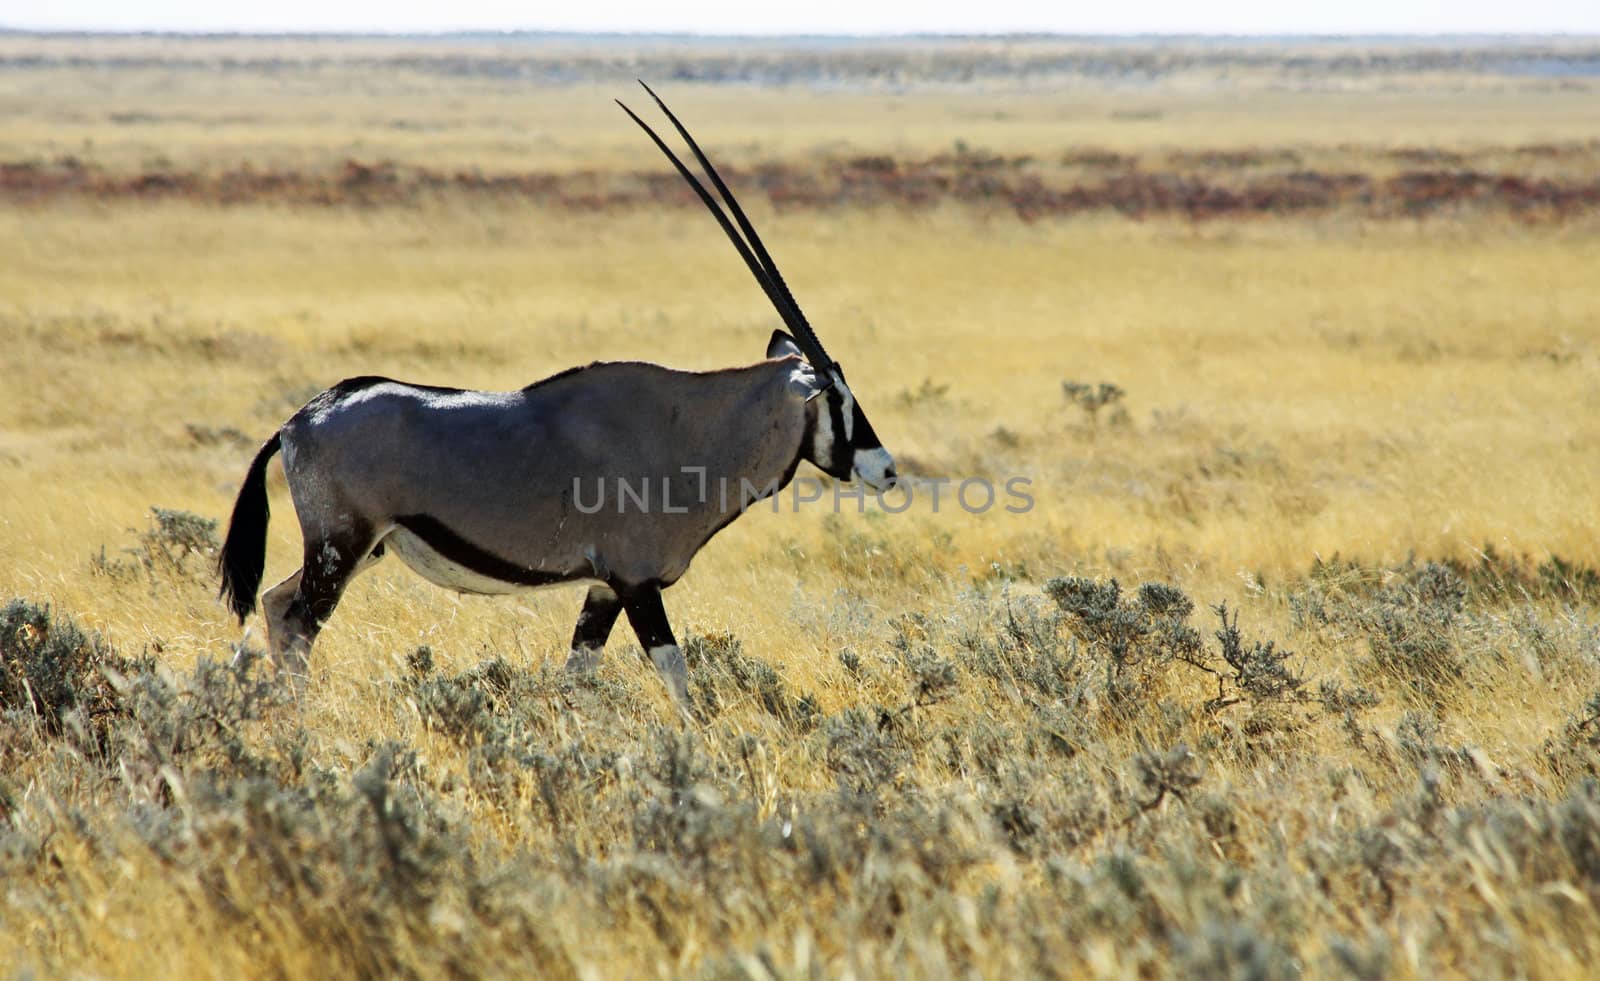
<point x="1291" y="666"/>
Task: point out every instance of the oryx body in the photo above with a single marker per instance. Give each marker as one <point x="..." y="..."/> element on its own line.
<point x="501" y="485"/>
<point x="615" y="474"/>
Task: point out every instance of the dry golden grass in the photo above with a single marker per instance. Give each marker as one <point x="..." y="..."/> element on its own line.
<point x="1295" y="391"/>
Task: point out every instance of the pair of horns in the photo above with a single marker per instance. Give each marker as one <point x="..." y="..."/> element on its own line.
<point x="755" y="254"/>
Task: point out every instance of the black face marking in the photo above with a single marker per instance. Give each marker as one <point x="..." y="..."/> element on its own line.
<point x="447" y="543"/>
<point x="839" y="466"/>
<point x="862" y="437"/>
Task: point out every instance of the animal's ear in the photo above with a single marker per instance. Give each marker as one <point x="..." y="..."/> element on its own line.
<point x="782" y="345"/>
<point x="804" y="383"/>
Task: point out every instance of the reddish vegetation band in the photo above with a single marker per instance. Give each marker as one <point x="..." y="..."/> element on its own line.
<point x="1210" y="185"/>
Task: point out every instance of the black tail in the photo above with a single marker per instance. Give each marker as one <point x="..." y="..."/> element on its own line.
<point x="244" y="552"/>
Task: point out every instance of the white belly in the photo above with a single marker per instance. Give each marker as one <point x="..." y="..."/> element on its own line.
<point x="440" y="571"/>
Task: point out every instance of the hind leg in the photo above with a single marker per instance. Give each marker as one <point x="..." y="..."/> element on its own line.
<point x="274" y="608"/>
<point x="297" y="608"/>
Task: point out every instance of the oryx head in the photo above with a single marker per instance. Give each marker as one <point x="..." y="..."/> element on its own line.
<point x="839" y="438"/>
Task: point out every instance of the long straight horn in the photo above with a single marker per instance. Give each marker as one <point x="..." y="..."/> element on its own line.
<point x="763" y="268"/>
<point x="802" y="326"/>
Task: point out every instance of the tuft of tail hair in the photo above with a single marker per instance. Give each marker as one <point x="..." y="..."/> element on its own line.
<point x="244" y="551"/>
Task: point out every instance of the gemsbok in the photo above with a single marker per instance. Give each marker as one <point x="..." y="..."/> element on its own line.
<point x="493" y="492"/>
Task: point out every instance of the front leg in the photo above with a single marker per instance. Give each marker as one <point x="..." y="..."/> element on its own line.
<point x="600" y="609"/>
<point x="649" y="620"/>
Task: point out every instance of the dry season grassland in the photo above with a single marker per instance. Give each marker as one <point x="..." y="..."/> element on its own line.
<point x="928" y="742"/>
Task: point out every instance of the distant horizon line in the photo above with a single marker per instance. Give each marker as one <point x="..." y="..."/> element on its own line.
<point x="572" y="34"/>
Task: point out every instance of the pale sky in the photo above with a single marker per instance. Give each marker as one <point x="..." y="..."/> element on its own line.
<point x="818" y="16"/>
